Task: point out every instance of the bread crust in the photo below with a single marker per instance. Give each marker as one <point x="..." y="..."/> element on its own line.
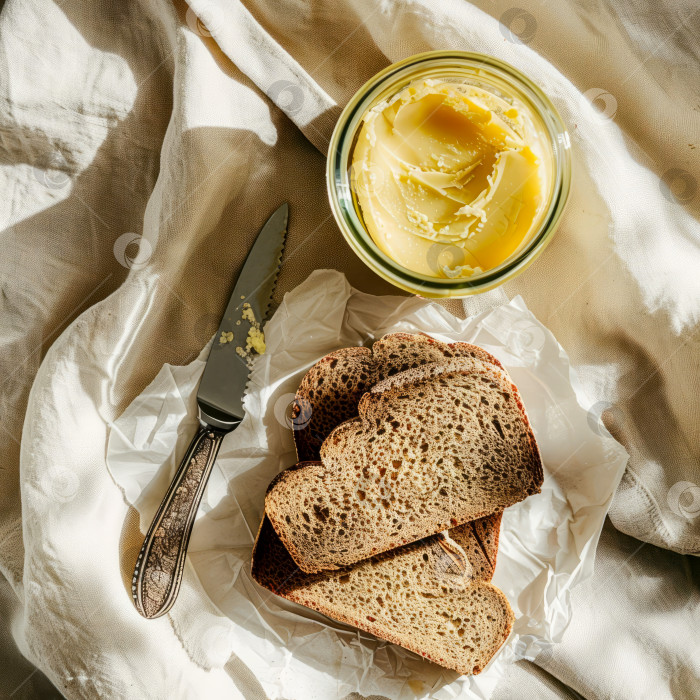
<point x="484" y="532"/>
<point x="271" y="562"/>
<point x="308" y="438"/>
<point x="393" y="389"/>
<point x="389" y="355"/>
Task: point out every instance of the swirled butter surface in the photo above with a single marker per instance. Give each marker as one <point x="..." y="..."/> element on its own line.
<point x="449" y="178"/>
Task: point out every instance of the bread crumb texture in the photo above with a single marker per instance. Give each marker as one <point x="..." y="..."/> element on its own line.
<point x="409" y="596"/>
<point x="397" y="439"/>
<point x="431" y="448"/>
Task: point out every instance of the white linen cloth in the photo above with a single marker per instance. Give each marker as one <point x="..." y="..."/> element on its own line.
<point x="141" y="152"/>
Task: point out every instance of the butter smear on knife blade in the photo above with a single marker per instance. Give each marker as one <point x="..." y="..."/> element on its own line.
<point x="255" y="342"/>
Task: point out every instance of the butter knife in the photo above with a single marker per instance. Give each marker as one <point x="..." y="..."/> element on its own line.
<point x="160" y="563"/>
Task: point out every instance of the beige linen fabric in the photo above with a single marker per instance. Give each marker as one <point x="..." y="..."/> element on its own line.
<point x="140" y="151"/>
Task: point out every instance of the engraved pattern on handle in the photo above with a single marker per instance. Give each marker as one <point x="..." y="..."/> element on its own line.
<point x="161" y="561"/>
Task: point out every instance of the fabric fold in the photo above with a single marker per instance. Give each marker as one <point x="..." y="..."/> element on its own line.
<point x="140" y="154"/>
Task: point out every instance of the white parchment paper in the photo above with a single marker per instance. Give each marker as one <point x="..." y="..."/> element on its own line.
<point x="547" y="543"/>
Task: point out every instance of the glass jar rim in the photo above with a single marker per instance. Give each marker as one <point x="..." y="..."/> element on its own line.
<point x="339" y="189"/>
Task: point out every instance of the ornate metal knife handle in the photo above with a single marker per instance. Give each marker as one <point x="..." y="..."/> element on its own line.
<point x="161" y="561"/>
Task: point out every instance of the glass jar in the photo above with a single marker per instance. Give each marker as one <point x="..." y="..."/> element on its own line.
<point x="470" y="69"/>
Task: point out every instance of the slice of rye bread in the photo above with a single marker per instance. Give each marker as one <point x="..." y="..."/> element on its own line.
<point x="423" y="596"/>
<point x="432" y="448"/>
<point x="330" y="391"/>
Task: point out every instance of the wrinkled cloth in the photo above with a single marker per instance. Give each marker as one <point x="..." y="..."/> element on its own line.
<point x="143" y="144"/>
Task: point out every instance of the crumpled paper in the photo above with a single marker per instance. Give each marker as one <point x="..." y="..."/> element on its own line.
<point x="547" y="542"/>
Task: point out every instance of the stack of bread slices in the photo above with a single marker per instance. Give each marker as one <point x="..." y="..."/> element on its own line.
<point x="408" y="454"/>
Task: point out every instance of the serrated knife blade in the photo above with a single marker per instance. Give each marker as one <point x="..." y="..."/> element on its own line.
<point x="161" y="561"/>
<point x="221" y="391"/>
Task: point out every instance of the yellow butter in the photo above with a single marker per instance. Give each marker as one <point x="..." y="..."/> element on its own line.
<point x="255" y="340"/>
<point x="448" y="178"/>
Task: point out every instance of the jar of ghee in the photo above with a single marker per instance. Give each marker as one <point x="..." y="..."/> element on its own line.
<point x="448" y="173"/>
